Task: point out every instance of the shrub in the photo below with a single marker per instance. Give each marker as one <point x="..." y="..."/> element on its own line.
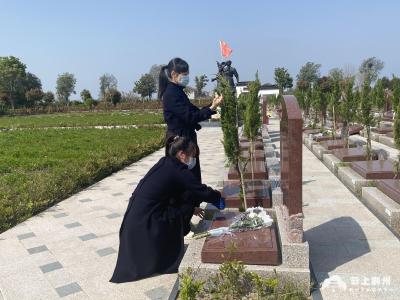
<point x="232" y="281"/>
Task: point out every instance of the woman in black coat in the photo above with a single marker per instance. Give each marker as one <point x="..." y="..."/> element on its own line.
<point x="180" y="115"/>
<point x="151" y="234"/>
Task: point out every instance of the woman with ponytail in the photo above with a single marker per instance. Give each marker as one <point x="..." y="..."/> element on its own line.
<point x="151" y="233"/>
<point x="180" y="115"/>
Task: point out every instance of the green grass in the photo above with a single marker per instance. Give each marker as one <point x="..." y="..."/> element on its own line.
<point x="81" y="119"/>
<point x="41" y="167"/>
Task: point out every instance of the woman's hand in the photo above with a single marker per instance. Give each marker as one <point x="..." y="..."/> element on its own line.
<point x="216" y="101"/>
<point x="199" y="212"/>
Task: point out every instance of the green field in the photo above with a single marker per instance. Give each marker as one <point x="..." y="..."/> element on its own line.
<point x="39" y="167"/>
<point x="80" y="119"/>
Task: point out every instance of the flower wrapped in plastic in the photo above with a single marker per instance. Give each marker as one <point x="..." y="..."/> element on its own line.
<point x="252" y="219"/>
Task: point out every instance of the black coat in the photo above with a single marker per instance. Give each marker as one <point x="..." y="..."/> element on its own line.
<point x="182" y="117"/>
<point x="151" y="234"/>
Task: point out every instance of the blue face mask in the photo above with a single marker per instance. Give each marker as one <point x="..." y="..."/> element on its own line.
<point x="183" y="80"/>
<point x="191" y="163"/>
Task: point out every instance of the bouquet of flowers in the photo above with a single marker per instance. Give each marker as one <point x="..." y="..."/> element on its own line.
<point x="252" y="219"/>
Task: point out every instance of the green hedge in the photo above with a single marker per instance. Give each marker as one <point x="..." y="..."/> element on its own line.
<point x="41" y="167"/>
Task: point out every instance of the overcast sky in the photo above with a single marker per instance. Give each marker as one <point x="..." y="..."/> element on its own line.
<point x="89" y="38"/>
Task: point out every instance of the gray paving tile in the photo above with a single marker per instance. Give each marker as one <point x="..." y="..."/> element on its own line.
<point x="88" y="236"/>
<point x="73" y="225"/>
<point x="26" y="236"/>
<point x="37" y="249"/>
<point x="157" y="293"/>
<point x="98" y="207"/>
<point x="51" y="267"/>
<point x="113" y="215"/>
<point x="106" y="251"/>
<point x="68" y="289"/>
<point x="117" y="194"/>
<point x="85" y="200"/>
<point x="60" y="215"/>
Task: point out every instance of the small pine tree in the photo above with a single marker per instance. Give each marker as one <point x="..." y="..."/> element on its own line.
<point x="396" y="94"/>
<point x="366" y="116"/>
<point x="379" y="99"/>
<point x="252" y="118"/>
<point x="230" y="132"/>
<point x="347" y="108"/>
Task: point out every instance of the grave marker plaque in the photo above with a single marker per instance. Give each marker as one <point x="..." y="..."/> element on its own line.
<point x="291" y="155"/>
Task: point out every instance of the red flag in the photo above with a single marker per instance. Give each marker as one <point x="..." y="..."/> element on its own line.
<point x="225" y="49"/>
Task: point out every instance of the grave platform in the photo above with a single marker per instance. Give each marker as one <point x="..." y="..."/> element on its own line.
<point x="350" y="154"/>
<point x="374" y="169"/>
<point x="253" y="247"/>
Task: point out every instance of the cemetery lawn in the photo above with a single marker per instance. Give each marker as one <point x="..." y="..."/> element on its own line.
<point x="81" y="119"/>
<point x="39" y="167"/>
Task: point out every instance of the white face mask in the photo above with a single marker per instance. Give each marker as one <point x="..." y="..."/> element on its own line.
<point x="191" y="163"/>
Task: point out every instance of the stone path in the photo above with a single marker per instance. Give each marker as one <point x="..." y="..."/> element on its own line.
<point x="353" y="255"/>
<point x="69" y="251"/>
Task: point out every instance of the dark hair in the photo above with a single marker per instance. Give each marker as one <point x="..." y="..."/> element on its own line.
<point x="176" y="64"/>
<point x="179" y="143"/>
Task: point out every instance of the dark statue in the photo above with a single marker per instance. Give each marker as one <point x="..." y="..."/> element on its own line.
<point x="226" y="71"/>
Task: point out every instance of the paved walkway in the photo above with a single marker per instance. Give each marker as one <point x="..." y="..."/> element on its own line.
<point x="353" y="255"/>
<point x="69" y="251"/>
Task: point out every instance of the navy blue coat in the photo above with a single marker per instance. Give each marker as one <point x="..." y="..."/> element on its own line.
<point x="151" y="233"/>
<point x="182" y="117"/>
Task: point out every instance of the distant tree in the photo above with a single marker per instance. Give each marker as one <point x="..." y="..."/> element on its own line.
<point x="34" y="97"/>
<point x="107" y="82"/>
<point x="32" y="82"/>
<point x="336" y="74"/>
<point x="85" y="94"/>
<point x="112" y="96"/>
<point x="145" y="86"/>
<point x="90" y="103"/>
<point x="201" y="82"/>
<point x="155" y="73"/>
<point x="65" y="87"/>
<point x="370" y="68"/>
<point x="310" y="73"/>
<point x="12" y="76"/>
<point x="387" y="83"/>
<point x="48" y="98"/>
<point x="283" y="79"/>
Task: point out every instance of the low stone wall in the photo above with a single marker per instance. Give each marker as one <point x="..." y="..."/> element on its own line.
<point x="387" y="210"/>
